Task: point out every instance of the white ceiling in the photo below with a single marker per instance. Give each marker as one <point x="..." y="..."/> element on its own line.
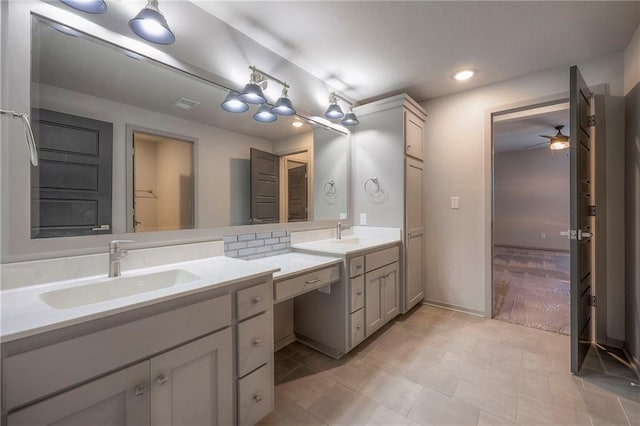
<point x="371" y="49"/>
<point x="523" y="131"/>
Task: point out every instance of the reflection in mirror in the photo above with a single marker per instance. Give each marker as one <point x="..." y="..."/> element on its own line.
<point x="96" y="109"/>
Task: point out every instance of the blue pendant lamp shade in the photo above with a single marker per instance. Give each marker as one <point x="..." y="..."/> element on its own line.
<point x="252" y="94"/>
<point x="232" y="103"/>
<point x="283" y="106"/>
<point x="264" y="114"/>
<point x="151" y="25"/>
<point x="350" y="119"/>
<point x="89" y="6"/>
<point x="334" y="111"/>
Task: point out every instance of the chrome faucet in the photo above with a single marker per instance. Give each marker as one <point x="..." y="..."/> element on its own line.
<point x="339" y="231"/>
<point x="115" y="254"/>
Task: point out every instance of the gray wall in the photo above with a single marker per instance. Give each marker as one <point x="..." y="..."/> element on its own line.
<point x="632" y="196"/>
<point x="531" y="190"/>
<point x="330" y="164"/>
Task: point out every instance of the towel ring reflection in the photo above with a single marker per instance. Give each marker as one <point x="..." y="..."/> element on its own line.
<point x="330" y="189"/>
<point x="372" y="189"/>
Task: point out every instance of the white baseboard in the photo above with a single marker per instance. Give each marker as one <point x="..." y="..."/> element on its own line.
<point x="453" y="307"/>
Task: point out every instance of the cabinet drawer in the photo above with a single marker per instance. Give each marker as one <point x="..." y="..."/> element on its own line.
<point x="357" y="293"/>
<point x="382" y="258"/>
<point x="255" y="342"/>
<point x="357" y="328"/>
<point x="254" y="300"/>
<point x="40" y="372"/>
<point x="255" y="395"/>
<point x="356" y="266"/>
<point x="292" y="287"/>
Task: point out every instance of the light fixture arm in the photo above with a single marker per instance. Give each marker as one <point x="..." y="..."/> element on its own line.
<point x="258" y="76"/>
<point x="333" y="98"/>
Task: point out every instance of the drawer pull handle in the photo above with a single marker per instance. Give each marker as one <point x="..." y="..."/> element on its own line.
<point x="257" y="342"/>
<point x="257" y="397"/>
<point x="313" y="281"/>
<point x="358" y="293"/>
<point x="357" y="327"/>
<point x="162" y="379"/>
<point x="255" y="300"/>
<point x="358" y="267"/>
<point x="141" y="389"/>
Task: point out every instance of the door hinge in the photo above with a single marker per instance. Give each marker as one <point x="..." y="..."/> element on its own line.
<point x="593" y="301"/>
<point x="592" y="210"/>
<point x="591" y="121"/>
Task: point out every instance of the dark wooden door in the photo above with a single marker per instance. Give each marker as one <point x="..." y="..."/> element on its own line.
<point x="297" y="193"/>
<point x="265" y="187"/>
<point x="71" y="188"/>
<point x="580" y="232"/>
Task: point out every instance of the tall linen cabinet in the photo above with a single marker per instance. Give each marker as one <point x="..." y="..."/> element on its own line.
<point x="388" y="172"/>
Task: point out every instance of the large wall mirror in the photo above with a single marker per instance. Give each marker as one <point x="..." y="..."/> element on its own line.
<point x="189" y="164"/>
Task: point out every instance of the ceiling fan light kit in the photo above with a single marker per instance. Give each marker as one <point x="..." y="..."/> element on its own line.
<point x="559" y="141"/>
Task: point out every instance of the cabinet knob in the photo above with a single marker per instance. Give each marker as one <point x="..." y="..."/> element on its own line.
<point x="257" y="342"/>
<point x="257" y="397"/>
<point x="255" y="300"/>
<point x="358" y="293"/>
<point x="141" y="389"/>
<point x="409" y="146"/>
<point x="357" y="327"/>
<point x="162" y="379"/>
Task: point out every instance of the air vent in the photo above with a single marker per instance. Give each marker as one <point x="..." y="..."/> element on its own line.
<point x="185" y="103"/>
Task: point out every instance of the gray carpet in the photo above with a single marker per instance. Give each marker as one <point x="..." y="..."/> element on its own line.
<point x="532" y="288"/>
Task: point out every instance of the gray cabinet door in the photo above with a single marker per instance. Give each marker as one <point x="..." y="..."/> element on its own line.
<point x="391" y="292"/>
<point x="121" y="398"/>
<point x="413" y="135"/>
<point x="192" y="384"/>
<point x="71" y="188"/>
<point x="373" y="310"/>
<point x="414" y="234"/>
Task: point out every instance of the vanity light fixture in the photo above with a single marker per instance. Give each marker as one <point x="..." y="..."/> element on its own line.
<point x="151" y="25"/>
<point x="264" y="114"/>
<point x="464" y="75"/>
<point x="334" y="111"/>
<point x="88" y="6"/>
<point x="252" y="92"/>
<point x="232" y="103"/>
<point x="283" y="105"/>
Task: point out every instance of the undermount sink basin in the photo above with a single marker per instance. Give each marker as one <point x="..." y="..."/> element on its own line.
<point x="348" y="240"/>
<point x="115" y="288"/>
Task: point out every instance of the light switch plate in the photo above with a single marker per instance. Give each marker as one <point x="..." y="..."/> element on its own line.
<point x="363" y="218"/>
<point x="455" y="202"/>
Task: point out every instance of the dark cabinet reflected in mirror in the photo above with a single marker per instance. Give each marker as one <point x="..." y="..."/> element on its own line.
<point x="130" y="145"/>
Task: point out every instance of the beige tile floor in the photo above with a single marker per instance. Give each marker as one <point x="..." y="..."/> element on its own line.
<point x="438" y="367"/>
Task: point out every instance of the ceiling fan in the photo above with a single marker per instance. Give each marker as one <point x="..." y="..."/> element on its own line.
<point x="559" y="141"/>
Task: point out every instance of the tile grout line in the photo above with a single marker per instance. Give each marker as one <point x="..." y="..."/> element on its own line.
<point x="623" y="411"/>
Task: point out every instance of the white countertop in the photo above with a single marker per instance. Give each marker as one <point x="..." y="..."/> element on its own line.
<point x="24" y="314"/>
<point x="294" y="263"/>
<point x="347" y="245"/>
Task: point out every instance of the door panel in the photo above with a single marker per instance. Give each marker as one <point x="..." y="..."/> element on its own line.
<point x="71" y="189"/>
<point x="265" y="184"/>
<point x="391" y="293"/>
<point x="191" y="384"/>
<point x="121" y="398"/>
<point x="374" y="314"/>
<point x="297" y="193"/>
<point x="580" y="193"/>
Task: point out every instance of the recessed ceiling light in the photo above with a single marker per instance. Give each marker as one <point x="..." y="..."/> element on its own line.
<point x="464" y="75"/>
<point x="297" y="123"/>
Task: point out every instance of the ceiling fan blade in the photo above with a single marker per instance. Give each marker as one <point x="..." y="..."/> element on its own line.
<point x="534" y="146"/>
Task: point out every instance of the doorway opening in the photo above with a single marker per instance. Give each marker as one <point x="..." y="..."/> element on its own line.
<point x="163" y="187"/>
<point x="531" y="210"/>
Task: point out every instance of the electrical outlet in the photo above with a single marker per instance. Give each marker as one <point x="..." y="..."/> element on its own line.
<point x="543" y="235"/>
<point x="343" y="216"/>
<point x="455" y="202"/>
<point x="363" y="218"/>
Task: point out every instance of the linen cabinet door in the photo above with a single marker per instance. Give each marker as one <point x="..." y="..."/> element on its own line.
<point x="121" y="398"/>
<point x="414" y="234"/>
<point x="373" y="311"/>
<point x="413" y="135"/>
<point x="191" y="385"/>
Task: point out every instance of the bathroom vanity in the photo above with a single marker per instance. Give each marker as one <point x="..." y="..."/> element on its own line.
<point x="174" y="355"/>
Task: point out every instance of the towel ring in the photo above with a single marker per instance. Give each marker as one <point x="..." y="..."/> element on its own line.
<point x="330" y="188"/>
<point x="372" y="189"/>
